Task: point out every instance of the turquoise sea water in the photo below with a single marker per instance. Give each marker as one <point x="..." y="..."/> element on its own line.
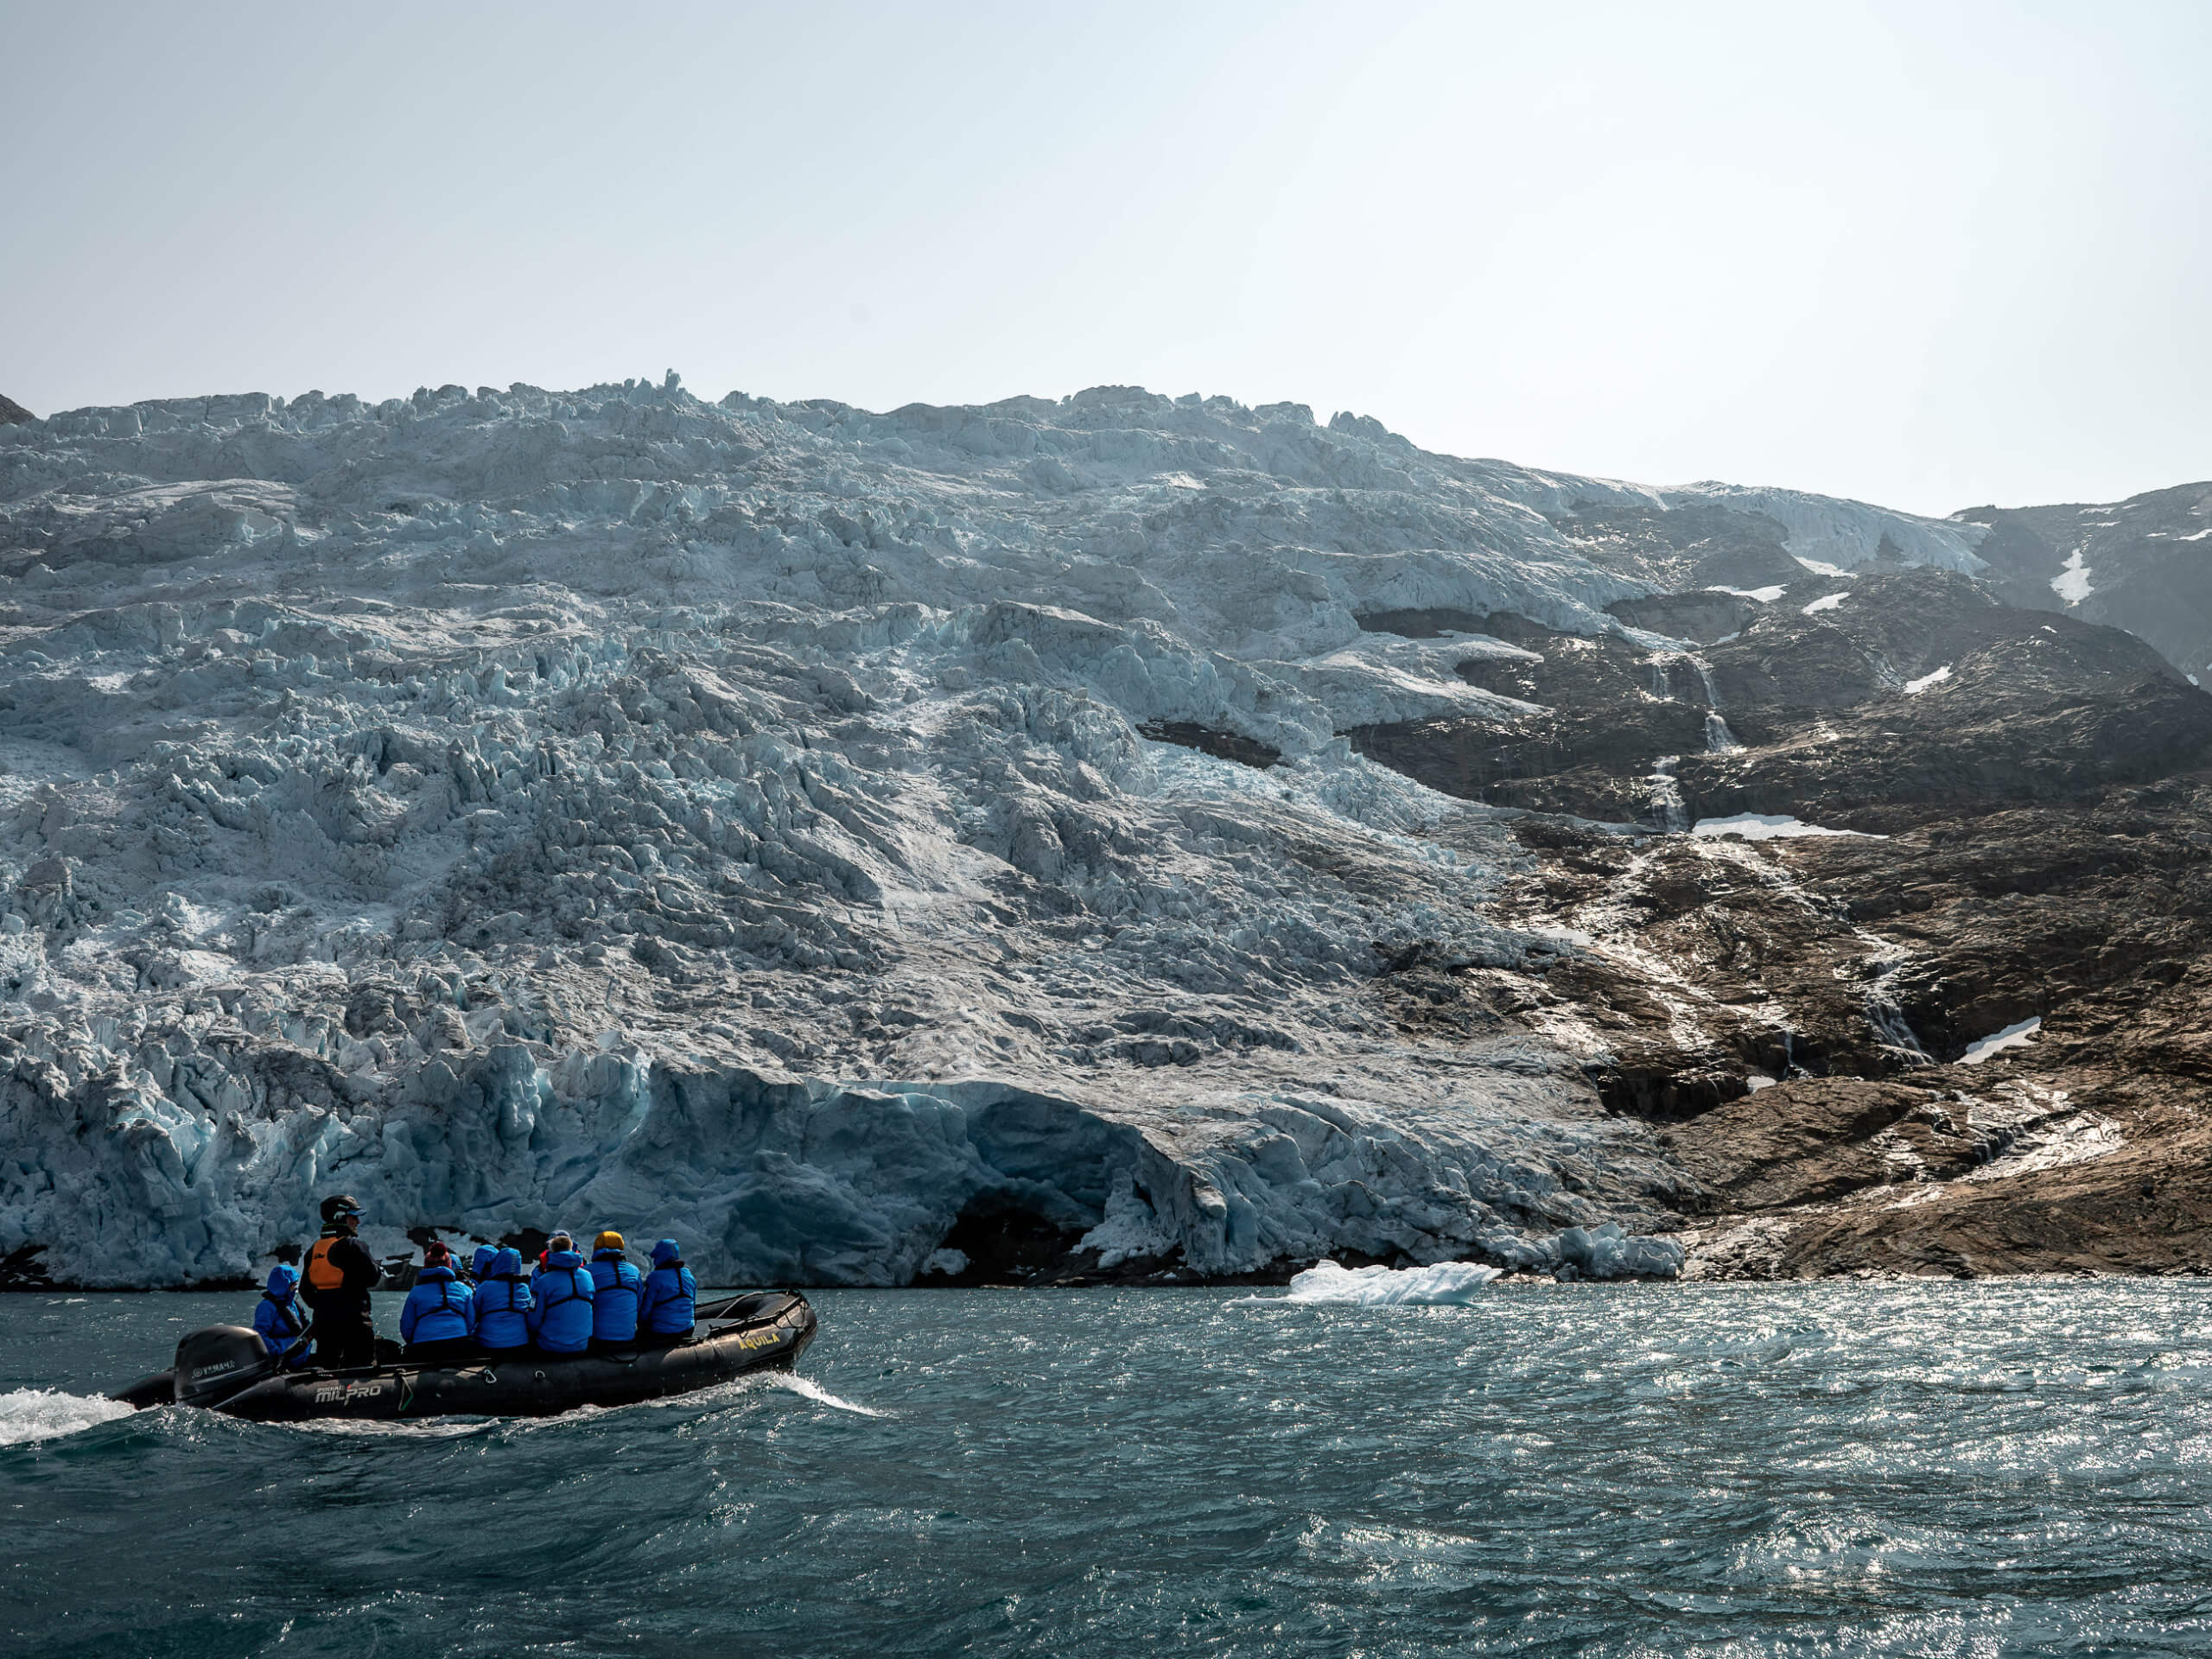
<point x="1942" y="1469"/>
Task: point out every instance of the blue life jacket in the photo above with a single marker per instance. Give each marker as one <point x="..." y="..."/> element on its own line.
<point x="503" y="1303"/>
<point x="480" y="1264"/>
<point x="621" y="1288"/>
<point x="438" y="1309"/>
<point x="671" y="1293"/>
<point x="560" y="1307"/>
<point x="278" y="1317"/>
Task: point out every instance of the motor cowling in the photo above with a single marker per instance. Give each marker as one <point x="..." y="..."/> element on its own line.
<point x="215" y="1363"/>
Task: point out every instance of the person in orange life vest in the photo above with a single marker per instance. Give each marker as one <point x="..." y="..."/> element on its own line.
<point x="439" y="1322"/>
<point x="339" y="1275"/>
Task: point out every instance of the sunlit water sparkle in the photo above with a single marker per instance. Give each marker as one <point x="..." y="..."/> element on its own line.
<point x="1938" y="1469"/>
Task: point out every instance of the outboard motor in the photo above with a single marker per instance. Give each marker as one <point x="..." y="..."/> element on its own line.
<point x="213" y="1365"/>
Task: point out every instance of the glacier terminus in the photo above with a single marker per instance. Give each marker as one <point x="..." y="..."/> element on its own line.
<point x="827" y="836"/>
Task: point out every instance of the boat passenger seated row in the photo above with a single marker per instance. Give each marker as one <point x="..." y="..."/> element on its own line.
<point x="565" y="1306"/>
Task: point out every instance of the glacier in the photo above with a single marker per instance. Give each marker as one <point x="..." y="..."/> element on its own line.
<point x="785" y="826"/>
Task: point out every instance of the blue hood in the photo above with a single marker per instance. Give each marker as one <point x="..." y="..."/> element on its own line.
<point x="283" y="1280"/>
<point x="665" y="1252"/>
<point x="564" y="1259"/>
<point x="433" y="1274"/>
<point x="505" y="1261"/>
<point x="481" y="1264"/>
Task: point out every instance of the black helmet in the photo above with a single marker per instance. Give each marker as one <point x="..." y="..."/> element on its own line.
<point x="343" y="1205"/>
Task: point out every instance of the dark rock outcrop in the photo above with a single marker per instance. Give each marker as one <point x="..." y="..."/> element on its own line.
<point x="2144" y="564"/>
<point x="1804" y="1019"/>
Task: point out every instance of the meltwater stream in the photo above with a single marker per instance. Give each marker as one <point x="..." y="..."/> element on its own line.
<point x="1944" y="1469"/>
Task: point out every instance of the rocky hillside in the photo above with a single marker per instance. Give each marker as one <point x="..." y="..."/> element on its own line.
<point x="1118" y="836"/>
<point x="1921" y="988"/>
<point x="2144" y="564"/>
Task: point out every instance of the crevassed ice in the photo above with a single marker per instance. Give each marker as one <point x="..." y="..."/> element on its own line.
<point x="527" y="808"/>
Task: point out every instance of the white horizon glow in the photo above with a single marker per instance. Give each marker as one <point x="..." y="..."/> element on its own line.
<point x="1928" y="256"/>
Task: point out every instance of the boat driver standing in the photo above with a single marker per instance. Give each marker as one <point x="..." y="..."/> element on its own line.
<point x="340" y="1273"/>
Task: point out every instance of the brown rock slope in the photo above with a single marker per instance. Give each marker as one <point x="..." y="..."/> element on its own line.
<point x="1803" y="1016"/>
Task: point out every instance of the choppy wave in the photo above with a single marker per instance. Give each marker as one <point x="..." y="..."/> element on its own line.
<point x="1444" y="1283"/>
<point x="455" y="1427"/>
<point x="41" y="1413"/>
<point x="806" y="1388"/>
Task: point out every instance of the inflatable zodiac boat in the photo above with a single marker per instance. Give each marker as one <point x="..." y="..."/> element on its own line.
<point x="225" y="1368"/>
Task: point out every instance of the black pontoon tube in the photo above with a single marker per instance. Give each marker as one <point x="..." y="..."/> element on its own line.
<point x="226" y="1369"/>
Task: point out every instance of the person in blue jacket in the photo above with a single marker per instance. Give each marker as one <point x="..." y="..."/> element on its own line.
<point x="502" y="1305"/>
<point x="560" y="1300"/>
<point x="480" y="1264"/>
<point x="618" y="1288"/>
<point x="280" y="1319"/>
<point x="439" y="1321"/>
<point x="667" y="1313"/>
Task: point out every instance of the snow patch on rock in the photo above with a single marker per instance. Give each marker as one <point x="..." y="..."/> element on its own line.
<point x="2019" y="1035"/>
<point x="1768" y="826"/>
<point x="2072" y="583"/>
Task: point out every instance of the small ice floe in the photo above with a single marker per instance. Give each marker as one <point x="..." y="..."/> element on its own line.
<point x="1826" y="602"/>
<point x="2018" y="1036"/>
<point x="1756" y="1081"/>
<point x="41" y="1413"/>
<point x="1770" y="826"/>
<point x="1913" y="688"/>
<point x="1445" y="1283"/>
<point x="1762" y="595"/>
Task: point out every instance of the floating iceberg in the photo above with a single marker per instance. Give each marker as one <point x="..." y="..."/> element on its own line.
<point x="1445" y="1283"/>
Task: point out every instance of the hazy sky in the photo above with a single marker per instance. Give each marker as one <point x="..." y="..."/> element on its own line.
<point x="1930" y="256"/>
